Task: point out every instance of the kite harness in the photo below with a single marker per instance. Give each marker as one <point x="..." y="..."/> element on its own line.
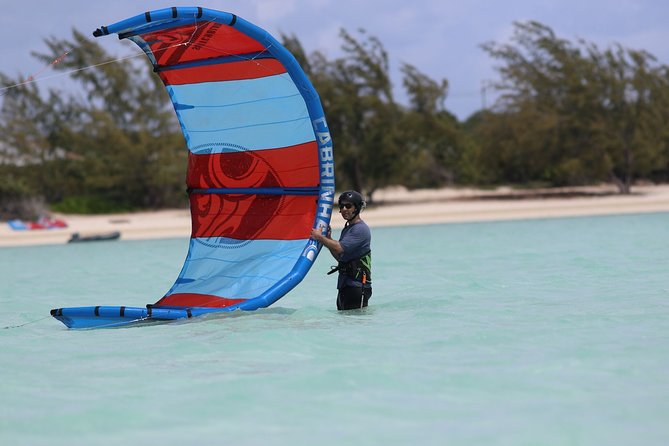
<point x="360" y="270"/>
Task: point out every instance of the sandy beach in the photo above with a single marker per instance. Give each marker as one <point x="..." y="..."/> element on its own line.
<point x="393" y="207"/>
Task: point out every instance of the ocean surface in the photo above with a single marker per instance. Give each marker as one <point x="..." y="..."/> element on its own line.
<point x="534" y="332"/>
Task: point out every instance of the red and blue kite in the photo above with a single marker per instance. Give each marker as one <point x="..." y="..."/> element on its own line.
<point x="260" y="163"/>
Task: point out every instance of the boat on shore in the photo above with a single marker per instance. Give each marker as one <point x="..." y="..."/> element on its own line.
<point x="77" y="237"/>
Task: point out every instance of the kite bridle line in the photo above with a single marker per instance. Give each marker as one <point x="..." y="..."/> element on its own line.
<point x="53" y="63"/>
<point x="25" y="323"/>
<point x="34" y="77"/>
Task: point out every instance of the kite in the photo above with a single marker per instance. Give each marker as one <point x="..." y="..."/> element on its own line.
<point x="260" y="169"/>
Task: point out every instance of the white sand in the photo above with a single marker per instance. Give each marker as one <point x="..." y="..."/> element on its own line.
<point x="396" y="207"/>
<point x="450" y="206"/>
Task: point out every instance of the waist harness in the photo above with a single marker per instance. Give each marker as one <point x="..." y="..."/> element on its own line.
<point x="359" y="269"/>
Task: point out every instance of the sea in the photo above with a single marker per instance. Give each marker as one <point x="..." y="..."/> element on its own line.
<point x="528" y="332"/>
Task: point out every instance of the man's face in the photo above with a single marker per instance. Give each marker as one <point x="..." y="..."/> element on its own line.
<point x="346" y="209"/>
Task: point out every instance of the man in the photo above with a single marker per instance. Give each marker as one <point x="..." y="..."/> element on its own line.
<point x="353" y="253"/>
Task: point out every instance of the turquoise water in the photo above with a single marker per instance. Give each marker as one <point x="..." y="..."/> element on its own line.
<point x="537" y="332"/>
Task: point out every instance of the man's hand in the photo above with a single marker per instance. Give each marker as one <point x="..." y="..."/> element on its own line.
<point x="317" y="233"/>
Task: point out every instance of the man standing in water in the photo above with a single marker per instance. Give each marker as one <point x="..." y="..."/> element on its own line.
<point x="353" y="253"/>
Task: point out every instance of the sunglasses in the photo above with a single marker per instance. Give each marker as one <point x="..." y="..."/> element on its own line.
<point x="345" y="206"/>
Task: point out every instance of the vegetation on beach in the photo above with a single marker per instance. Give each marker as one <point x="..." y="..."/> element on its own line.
<point x="569" y="113"/>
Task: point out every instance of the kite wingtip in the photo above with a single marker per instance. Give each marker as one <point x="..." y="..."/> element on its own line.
<point x="102" y="31"/>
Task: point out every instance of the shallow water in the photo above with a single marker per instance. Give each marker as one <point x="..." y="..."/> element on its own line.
<point x="547" y="332"/>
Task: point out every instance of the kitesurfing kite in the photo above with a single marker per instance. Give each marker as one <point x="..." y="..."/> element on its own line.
<point x="260" y="164"/>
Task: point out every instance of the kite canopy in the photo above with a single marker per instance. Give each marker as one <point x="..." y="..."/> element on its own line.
<point x="260" y="163"/>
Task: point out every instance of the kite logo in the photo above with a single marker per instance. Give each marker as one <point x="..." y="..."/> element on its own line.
<point x="202" y="41"/>
<point x="311" y="251"/>
<point x="326" y="157"/>
<point x="325" y="150"/>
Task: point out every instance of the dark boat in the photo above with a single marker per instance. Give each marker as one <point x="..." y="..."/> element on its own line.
<point x="76" y="237"/>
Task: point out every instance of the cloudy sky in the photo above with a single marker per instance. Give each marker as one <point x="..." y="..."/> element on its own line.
<point x="441" y="38"/>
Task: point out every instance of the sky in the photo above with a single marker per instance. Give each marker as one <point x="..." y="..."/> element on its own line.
<point x="441" y="38"/>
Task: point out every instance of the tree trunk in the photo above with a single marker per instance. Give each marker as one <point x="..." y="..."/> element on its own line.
<point x="624" y="186"/>
<point x="624" y="180"/>
<point x="358" y="180"/>
<point x="369" y="196"/>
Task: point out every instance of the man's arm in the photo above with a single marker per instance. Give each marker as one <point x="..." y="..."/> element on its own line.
<point x="332" y="245"/>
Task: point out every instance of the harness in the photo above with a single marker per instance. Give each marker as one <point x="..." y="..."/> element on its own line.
<point x="359" y="269"/>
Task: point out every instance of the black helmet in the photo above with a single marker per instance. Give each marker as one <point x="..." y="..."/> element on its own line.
<point x="354" y="198"/>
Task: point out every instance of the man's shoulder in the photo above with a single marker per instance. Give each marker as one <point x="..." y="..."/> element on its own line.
<point x="361" y="224"/>
<point x="360" y="227"/>
<point x="359" y="231"/>
<point x="365" y="228"/>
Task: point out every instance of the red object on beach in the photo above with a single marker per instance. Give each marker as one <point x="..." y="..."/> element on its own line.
<point x="46" y="223"/>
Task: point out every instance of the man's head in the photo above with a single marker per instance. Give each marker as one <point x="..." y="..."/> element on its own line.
<point x="350" y="204"/>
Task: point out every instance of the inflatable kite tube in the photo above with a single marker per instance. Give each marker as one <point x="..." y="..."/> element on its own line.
<point x="111" y="317"/>
<point x="260" y="170"/>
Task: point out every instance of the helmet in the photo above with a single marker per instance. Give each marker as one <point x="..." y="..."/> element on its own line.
<point x="354" y="198"/>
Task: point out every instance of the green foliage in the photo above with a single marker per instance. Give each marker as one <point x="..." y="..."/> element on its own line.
<point x="90" y="205"/>
<point x="17" y="198"/>
<point x="357" y="97"/>
<point x="432" y="138"/>
<point x="569" y="114"/>
<point x="573" y="114"/>
<point x="377" y="141"/>
<point x="115" y="140"/>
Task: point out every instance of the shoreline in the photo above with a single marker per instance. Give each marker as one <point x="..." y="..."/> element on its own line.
<point x="471" y="205"/>
<point x="394" y="207"/>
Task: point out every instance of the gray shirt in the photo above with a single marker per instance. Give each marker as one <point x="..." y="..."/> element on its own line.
<point x="356" y="240"/>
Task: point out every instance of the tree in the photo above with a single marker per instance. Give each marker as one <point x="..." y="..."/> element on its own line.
<point x="111" y="142"/>
<point x="356" y="93"/>
<point x="431" y="136"/>
<point x="588" y="115"/>
<point x="631" y="125"/>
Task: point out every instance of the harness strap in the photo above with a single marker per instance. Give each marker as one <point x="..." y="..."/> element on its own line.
<point x="333" y="269"/>
<point x="357" y="269"/>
